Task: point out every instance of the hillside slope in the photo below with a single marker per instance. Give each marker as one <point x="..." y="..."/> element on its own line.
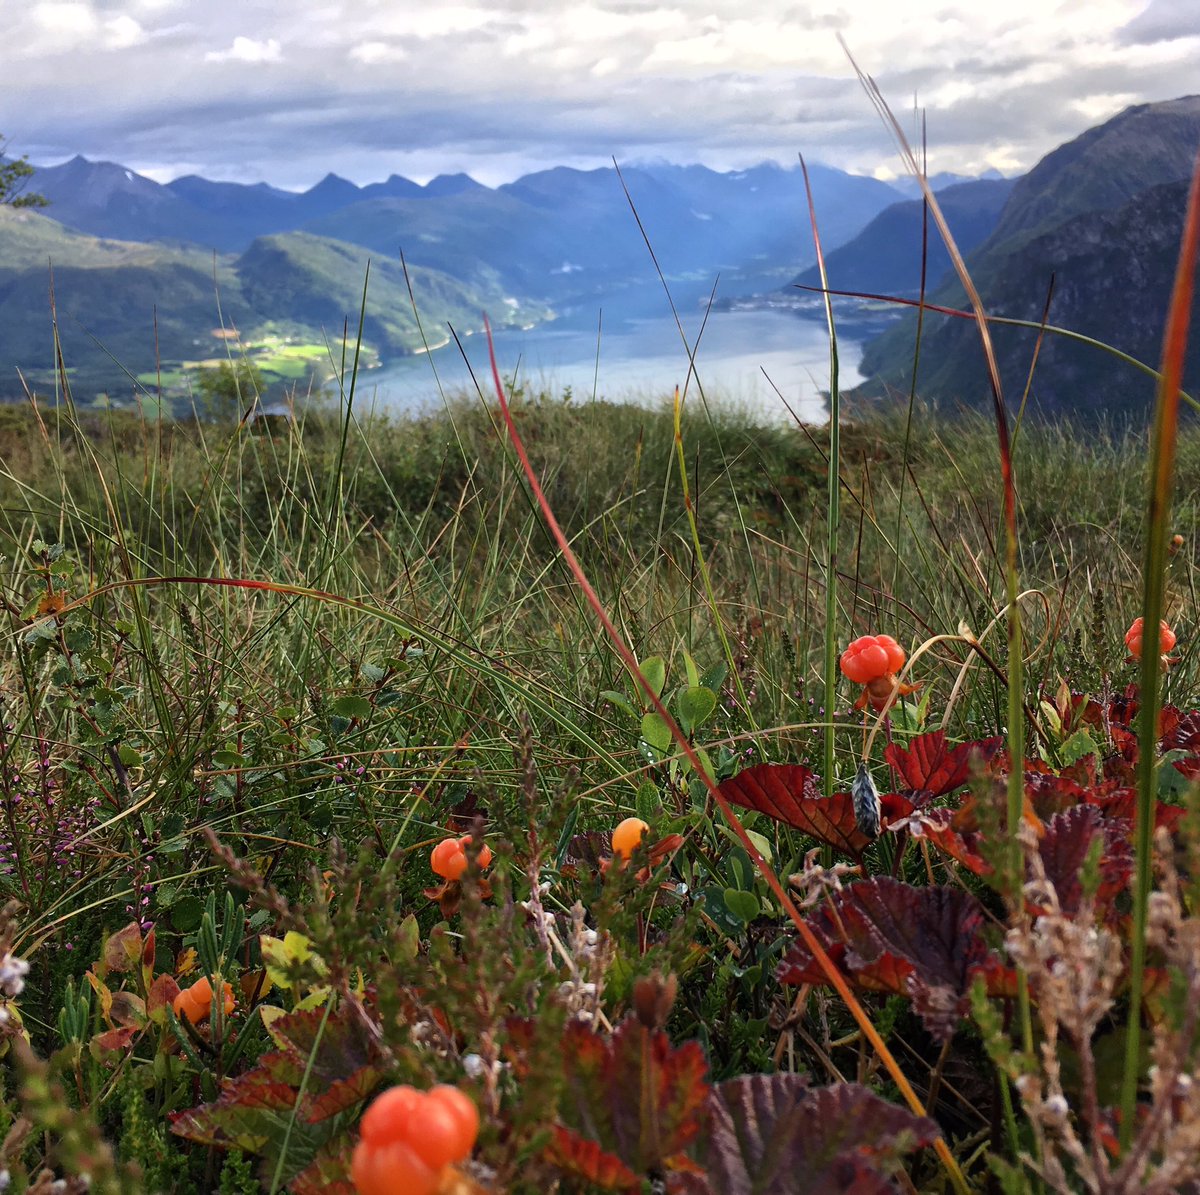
<point x="127" y="309"/>
<point x="885" y="258"/>
<point x="1102" y="216"/>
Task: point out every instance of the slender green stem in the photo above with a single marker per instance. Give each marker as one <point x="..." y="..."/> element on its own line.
<point x="1162" y="470"/>
<point x="832" y="510"/>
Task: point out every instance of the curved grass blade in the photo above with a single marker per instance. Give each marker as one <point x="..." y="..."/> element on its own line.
<point x="836" y="979"/>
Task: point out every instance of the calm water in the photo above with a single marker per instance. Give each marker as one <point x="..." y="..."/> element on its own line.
<point x="744" y="357"/>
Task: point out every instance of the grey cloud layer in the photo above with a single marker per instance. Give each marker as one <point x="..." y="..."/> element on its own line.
<point x="262" y="89"/>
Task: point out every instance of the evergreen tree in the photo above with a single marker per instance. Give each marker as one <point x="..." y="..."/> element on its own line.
<point x="14" y="177"/>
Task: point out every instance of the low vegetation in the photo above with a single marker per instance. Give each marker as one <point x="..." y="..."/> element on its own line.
<point x="311" y="713"/>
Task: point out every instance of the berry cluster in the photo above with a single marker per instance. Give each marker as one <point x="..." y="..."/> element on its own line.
<point x="195" y="1003"/>
<point x="408" y="1137"/>
<point x="1136" y="633"/>
<point x="449" y="858"/>
<point x="873" y="661"/>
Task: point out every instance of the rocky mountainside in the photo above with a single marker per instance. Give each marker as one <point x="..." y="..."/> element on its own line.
<point x="1102" y="216"/>
<point x="885" y="258"/>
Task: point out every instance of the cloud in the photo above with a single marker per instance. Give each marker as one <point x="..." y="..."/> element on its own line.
<point x="1162" y="20"/>
<point x="498" y="87"/>
<point x="62" y="26"/>
<point x="246" y="49"/>
<point x="371" y="53"/>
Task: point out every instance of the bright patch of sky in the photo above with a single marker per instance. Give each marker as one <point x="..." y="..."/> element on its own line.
<point x="284" y="91"/>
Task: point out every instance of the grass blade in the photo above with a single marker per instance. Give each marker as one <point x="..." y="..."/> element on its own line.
<point x="630" y="661"/>
<point x="1162" y="468"/>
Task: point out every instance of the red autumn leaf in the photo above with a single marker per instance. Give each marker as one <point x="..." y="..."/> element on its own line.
<point x="115" y="1039"/>
<point x="579" y="1156"/>
<point x="329" y="1172"/>
<point x="941" y="827"/>
<point x="343" y="1093"/>
<point x="640" y="1097"/>
<point x="1184" y="735"/>
<point x="586" y="852"/>
<point x="789" y="794"/>
<point x="1121" y="804"/>
<point x="930" y="764"/>
<point x="161" y="994"/>
<point x="773" y="1135"/>
<point x="1065" y="846"/>
<point x="1050" y="793"/>
<point x="927" y="941"/>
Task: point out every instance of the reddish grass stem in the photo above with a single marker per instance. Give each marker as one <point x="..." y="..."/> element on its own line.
<point x="835" y="977"/>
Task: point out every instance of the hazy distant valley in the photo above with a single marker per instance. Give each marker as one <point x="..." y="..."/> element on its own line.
<point x="152" y="282"/>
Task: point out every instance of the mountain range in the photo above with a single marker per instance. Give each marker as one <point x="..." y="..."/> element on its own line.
<point x="151" y="279"/>
<point x="1101" y="216"/>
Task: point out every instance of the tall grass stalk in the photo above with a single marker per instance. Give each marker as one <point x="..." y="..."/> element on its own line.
<point x="836" y="979"/>
<point x="833" y="511"/>
<point x="1016" y="672"/>
<point x="1158" y="503"/>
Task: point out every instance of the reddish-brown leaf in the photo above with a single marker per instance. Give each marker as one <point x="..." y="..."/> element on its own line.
<point x="931" y="765"/>
<point x="329" y="1172"/>
<point x="343" y="1093"/>
<point x="1065" y="845"/>
<point x="772" y="1135"/>
<point x="576" y="1154"/>
<point x="789" y="793"/>
<point x="124" y="948"/>
<point x="162" y="992"/>
<point x="939" y="827"/>
<point x="128" y="1009"/>
<point x="926" y="942"/>
<point x="641" y="1098"/>
<point x="115" y="1039"/>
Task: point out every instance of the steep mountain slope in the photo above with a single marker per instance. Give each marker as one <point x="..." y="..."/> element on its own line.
<point x="108" y="200"/>
<point x="1101" y="215"/>
<point x="316" y="284"/>
<point x="1105" y="167"/>
<point x="885" y="258"/>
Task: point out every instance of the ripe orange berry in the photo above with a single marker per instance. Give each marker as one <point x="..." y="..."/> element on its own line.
<point x="390" y="1114"/>
<point x="627" y="835"/>
<point x="195" y="1002"/>
<point x="870" y="657"/>
<point x="485" y="852"/>
<point x="1136" y="633"/>
<point x="448" y="859"/>
<point x="389" y="1169"/>
<point x="439" y="1133"/>
<point x="407" y="1137"/>
<point x="186" y="1007"/>
<point x="461" y="1109"/>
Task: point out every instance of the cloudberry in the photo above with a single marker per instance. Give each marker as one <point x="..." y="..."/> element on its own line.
<point x="449" y="858"/>
<point x="627" y="836"/>
<point x="407" y="1138"/>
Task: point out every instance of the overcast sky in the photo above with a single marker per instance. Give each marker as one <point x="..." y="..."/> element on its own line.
<point x="284" y="91"/>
